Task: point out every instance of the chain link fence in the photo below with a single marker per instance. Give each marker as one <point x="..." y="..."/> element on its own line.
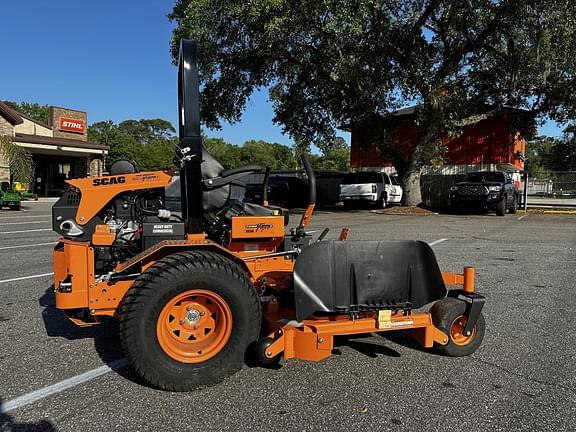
<point x="554" y="184"/>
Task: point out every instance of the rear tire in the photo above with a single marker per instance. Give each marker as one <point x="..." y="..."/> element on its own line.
<point x="501" y="206"/>
<point x="448" y="316"/>
<point x="187" y="321"/>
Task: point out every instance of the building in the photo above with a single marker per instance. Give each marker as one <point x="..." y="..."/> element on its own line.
<point x="493" y="144"/>
<point x="60" y="149"/>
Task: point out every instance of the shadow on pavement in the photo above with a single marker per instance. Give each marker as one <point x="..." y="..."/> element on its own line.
<point x="105" y="335"/>
<point x="7" y="424"/>
<point x="365" y="347"/>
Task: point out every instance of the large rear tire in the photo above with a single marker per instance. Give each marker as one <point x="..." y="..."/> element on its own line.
<point x="187" y="321"/>
<point x="448" y="315"/>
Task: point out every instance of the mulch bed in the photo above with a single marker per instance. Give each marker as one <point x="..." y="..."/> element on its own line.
<point x="408" y="211"/>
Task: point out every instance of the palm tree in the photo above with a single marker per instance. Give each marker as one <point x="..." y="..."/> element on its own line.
<point x="19" y="160"/>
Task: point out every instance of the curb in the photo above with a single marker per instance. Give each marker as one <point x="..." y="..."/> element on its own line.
<point x="560" y="212"/>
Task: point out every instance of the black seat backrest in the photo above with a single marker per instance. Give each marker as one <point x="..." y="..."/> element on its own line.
<point x="215" y="199"/>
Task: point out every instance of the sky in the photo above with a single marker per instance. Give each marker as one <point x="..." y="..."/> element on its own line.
<point x="112" y="60"/>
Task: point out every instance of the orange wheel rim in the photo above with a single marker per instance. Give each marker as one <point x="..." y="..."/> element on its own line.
<point x="457" y="332"/>
<point x="194" y="326"/>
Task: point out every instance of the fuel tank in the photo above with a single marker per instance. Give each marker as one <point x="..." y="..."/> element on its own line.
<point x="350" y="276"/>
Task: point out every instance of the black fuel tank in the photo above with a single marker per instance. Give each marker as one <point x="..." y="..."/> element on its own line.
<point x="345" y="276"/>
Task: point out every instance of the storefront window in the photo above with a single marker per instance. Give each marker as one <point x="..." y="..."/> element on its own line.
<point x="64" y="168"/>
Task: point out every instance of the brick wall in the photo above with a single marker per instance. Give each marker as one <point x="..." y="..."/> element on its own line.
<point x="6" y="127"/>
<point x="54" y="122"/>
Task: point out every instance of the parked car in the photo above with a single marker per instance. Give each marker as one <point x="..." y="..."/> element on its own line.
<point x="370" y="187"/>
<point x="492" y="190"/>
<point x="283" y="190"/>
<point x="9" y="197"/>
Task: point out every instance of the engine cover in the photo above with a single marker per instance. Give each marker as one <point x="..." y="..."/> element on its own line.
<point x="64" y="218"/>
<point x="348" y="276"/>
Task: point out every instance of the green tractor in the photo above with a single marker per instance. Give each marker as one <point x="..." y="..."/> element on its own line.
<point x="25" y="194"/>
<point x="9" y="197"/>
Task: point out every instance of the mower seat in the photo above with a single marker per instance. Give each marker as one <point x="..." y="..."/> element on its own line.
<point x="221" y="187"/>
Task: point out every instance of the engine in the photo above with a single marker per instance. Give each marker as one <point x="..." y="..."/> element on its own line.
<point x="130" y="223"/>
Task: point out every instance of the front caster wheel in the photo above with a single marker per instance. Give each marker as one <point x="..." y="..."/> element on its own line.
<point x="187" y="321"/>
<point x="448" y="315"/>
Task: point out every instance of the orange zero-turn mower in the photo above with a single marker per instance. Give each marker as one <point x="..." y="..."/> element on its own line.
<point x="195" y="290"/>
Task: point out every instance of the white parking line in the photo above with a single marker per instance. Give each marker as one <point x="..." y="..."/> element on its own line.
<point x="24" y="223"/>
<point x="26" y="277"/>
<point x="434" y="243"/>
<point x="522" y="217"/>
<point x="26" y="246"/>
<point x="25" y="231"/>
<point x="36" y="395"/>
<point x="21" y="217"/>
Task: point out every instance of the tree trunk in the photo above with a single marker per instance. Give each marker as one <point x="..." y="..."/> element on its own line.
<point x="412" y="195"/>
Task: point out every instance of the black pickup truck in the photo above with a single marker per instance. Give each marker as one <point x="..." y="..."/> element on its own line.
<point x="493" y="190"/>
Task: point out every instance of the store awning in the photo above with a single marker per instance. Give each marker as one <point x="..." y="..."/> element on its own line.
<point x="59" y="146"/>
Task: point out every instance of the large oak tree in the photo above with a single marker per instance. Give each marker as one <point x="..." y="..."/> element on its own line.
<point x="330" y="64"/>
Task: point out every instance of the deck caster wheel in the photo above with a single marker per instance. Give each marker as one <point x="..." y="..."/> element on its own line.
<point x="448" y="315"/>
<point x="260" y="349"/>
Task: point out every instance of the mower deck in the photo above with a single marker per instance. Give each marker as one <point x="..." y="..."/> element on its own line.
<point x="313" y="339"/>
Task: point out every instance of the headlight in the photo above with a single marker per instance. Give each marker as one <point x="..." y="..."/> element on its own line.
<point x="494" y="188"/>
<point x="374" y="189"/>
<point x="453" y="188"/>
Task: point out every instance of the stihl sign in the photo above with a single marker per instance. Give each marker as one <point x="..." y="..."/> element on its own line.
<point x="72" y="125"/>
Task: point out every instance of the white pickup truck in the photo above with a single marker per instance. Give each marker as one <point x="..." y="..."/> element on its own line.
<point x="369" y="187"/>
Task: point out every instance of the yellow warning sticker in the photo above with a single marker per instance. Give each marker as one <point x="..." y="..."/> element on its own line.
<point x="385" y="319"/>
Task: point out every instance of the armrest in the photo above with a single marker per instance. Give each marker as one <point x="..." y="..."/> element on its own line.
<point x="245" y="169"/>
<point x="229" y="176"/>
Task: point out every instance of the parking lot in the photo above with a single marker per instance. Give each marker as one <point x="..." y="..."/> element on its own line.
<point x="57" y="377"/>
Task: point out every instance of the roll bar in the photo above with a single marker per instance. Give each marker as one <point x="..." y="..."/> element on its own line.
<point x="188" y="154"/>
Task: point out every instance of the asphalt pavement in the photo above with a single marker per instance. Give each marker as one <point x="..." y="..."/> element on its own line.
<point x="57" y="377"/>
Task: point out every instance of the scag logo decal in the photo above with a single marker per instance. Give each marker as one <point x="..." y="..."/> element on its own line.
<point x="108" y="181"/>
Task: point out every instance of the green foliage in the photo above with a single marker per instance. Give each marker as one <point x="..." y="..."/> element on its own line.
<point x="150" y="143"/>
<point x="35" y="110"/>
<point x="19" y="160"/>
<point x="545" y="155"/>
<point x="144" y="130"/>
<point x="351" y="63"/>
<point x="158" y="154"/>
<point x="227" y="154"/>
<point x="273" y="155"/>
<point x="335" y="156"/>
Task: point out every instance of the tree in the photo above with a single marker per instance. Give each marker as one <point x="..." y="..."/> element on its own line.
<point x="227" y="154"/>
<point x="538" y="151"/>
<point x="547" y="154"/>
<point x="35" y="110"/>
<point x="351" y="63"/>
<point x="146" y="130"/>
<point x="158" y="155"/>
<point x="19" y="160"/>
<point x="148" y="142"/>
